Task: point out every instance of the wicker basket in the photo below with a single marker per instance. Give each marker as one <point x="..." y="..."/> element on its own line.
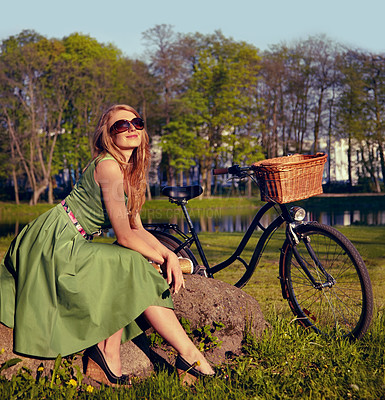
<point x="290" y="178"/>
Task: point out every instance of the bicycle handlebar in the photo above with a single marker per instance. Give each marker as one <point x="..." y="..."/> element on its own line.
<point x="220" y="171"/>
<point x="233" y="170"/>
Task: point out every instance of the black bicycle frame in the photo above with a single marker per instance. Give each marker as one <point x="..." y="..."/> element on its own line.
<point x="267" y="232"/>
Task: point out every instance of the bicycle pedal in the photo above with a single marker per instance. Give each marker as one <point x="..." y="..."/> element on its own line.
<point x="200" y="270"/>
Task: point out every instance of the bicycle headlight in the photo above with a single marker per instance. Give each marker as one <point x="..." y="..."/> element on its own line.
<point x="297" y="213"/>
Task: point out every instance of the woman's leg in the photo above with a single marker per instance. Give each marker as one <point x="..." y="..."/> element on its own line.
<point x="165" y="322"/>
<point x="110" y="348"/>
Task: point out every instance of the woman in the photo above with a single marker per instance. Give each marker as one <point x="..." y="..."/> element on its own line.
<point x="63" y="293"/>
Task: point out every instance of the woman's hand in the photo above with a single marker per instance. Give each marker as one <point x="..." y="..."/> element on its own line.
<point x="173" y="271"/>
<point x="170" y="267"/>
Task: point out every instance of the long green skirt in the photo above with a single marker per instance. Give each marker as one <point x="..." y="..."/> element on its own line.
<point x="62" y="293"/>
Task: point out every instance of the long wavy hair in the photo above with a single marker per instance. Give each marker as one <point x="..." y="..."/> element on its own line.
<point x="135" y="170"/>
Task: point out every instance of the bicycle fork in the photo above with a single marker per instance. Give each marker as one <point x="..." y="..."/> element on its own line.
<point x="294" y="240"/>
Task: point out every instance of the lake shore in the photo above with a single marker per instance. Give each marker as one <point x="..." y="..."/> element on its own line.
<point x="351" y="195"/>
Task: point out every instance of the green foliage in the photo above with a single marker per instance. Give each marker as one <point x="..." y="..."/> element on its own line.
<point x="64" y="381"/>
<point x="181" y="144"/>
<point x="213" y="100"/>
<point x="53" y="92"/>
<point x="10" y="363"/>
<point x="155" y="339"/>
<point x="186" y="325"/>
<point x="221" y="86"/>
<point x="203" y="337"/>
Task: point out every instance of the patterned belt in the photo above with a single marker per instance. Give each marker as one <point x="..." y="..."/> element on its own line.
<point x="76" y="222"/>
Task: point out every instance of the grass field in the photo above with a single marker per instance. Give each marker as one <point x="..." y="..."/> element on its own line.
<point x="287" y="363"/>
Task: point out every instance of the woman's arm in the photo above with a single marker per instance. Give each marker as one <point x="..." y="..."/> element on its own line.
<point x="173" y="270"/>
<point x="148" y="237"/>
<point x="110" y="179"/>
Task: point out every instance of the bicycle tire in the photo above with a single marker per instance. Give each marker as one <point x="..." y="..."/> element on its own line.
<point x="345" y="308"/>
<point x="172" y="243"/>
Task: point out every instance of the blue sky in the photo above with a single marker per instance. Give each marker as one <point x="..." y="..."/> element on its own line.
<point x="357" y="23"/>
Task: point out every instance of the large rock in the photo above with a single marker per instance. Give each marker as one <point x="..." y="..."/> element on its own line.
<point x="204" y="302"/>
<point x="208" y="302"/>
<point x="134" y="358"/>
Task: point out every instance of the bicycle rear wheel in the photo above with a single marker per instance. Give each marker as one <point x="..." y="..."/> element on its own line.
<point x="340" y="302"/>
<point x="172" y="243"/>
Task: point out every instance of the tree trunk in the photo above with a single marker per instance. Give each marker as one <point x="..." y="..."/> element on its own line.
<point x="170" y="172"/>
<point x="14" y="176"/>
<point x="249" y="188"/>
<point x="148" y="191"/>
<point x="209" y="178"/>
<point x="350" y="160"/>
<point x="15" y="185"/>
<point x="370" y="169"/>
<point x="38" y="191"/>
<point x="382" y="160"/>
<point x="50" y="191"/>
<point x="317" y="123"/>
<point x="181" y="178"/>
<point x="206" y="177"/>
<point x="329" y="148"/>
<point x="188" y="178"/>
<point x="273" y="151"/>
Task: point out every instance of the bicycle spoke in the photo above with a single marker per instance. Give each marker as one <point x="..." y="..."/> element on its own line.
<point x="332" y="301"/>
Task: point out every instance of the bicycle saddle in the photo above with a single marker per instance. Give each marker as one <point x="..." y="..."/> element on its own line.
<point x="182" y="192"/>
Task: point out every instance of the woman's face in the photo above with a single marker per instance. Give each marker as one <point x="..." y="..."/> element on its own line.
<point x="130" y="138"/>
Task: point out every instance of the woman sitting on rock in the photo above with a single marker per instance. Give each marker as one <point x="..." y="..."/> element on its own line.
<point x="62" y="292"/>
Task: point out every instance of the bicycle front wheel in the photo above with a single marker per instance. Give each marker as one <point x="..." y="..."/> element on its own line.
<point x="334" y="296"/>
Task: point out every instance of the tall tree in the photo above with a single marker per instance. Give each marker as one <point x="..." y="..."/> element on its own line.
<point x="350" y="102"/>
<point x="220" y="88"/>
<point x="33" y="116"/>
<point x="361" y="113"/>
<point x="375" y="87"/>
<point x="54" y="90"/>
<point x="93" y="68"/>
<point x="321" y="53"/>
<point x="166" y="63"/>
<point x="272" y="89"/>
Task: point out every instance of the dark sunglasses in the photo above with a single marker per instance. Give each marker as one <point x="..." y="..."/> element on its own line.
<point x="123" y="125"/>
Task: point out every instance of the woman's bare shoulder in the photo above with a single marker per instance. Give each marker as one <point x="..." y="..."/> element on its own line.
<point x="109" y="168"/>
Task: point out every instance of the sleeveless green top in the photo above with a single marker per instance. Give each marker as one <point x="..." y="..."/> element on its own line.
<point x="86" y="200"/>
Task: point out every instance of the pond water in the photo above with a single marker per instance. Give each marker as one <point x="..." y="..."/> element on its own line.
<point x="338" y="211"/>
<point x="219" y="221"/>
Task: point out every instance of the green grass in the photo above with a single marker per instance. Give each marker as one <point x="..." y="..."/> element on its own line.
<point x="288" y="362"/>
<point x="264" y="285"/>
<point x="161" y="203"/>
<point x="161" y="209"/>
<point x="22" y="212"/>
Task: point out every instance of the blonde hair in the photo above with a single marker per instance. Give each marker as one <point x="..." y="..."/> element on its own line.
<point x="134" y="171"/>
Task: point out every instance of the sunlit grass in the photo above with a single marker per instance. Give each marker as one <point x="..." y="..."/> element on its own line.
<point x="11" y="211"/>
<point x="288" y="362"/>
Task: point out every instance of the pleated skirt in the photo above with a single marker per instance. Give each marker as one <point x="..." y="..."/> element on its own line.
<point x="62" y="293"/>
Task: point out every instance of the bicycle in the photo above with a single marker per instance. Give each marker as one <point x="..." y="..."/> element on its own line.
<point x="322" y="275"/>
